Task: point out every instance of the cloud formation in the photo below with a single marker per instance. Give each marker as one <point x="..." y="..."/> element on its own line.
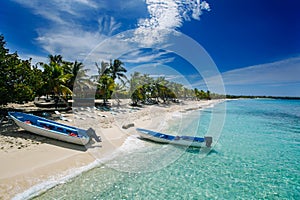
<point x="59" y="11"/>
<point x="284" y="71"/>
<point x="165" y="17"/>
<point x="142" y="56"/>
<point x="75" y="27"/>
<point x="272" y="77"/>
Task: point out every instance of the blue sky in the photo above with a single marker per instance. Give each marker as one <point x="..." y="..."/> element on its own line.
<point x="254" y="45"/>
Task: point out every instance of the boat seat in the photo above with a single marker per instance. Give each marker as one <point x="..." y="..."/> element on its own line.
<point x="41" y="122"/>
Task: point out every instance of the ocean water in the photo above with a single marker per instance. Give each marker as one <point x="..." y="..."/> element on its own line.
<point x="257" y="156"/>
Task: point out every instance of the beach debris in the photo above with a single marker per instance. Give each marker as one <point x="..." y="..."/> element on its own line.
<point x="99" y="114"/>
<point x="90" y="116"/>
<point x="62" y="116"/>
<point x="89" y="109"/>
<point x="58" y="113"/>
<point x="103" y="108"/>
<point x="127" y="126"/>
<point x="77" y="117"/>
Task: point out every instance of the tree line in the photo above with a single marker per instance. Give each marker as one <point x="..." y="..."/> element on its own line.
<point x="20" y="81"/>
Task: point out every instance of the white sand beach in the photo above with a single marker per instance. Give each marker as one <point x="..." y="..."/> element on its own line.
<point x="28" y="159"/>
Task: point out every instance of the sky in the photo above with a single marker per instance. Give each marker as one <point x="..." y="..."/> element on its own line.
<point x="238" y="47"/>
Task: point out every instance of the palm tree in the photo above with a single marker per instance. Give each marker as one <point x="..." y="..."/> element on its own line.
<point x="105" y="88"/>
<point x="161" y="86"/>
<point x="117" y="70"/>
<point x="55" y="59"/>
<point x="120" y="91"/>
<point x="80" y="83"/>
<point x="105" y="83"/>
<point x="133" y="83"/>
<point x="176" y="89"/>
<point x="208" y="97"/>
<point x="138" y="95"/>
<point x="103" y="69"/>
<point x="188" y="93"/>
<point x="54" y="77"/>
<point x="78" y="73"/>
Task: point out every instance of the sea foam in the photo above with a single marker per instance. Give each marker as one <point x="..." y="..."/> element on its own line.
<point x="131" y="144"/>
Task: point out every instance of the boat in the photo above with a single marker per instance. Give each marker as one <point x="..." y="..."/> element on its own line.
<point x="49" y="128"/>
<point x="189" y="141"/>
<point x="45" y="102"/>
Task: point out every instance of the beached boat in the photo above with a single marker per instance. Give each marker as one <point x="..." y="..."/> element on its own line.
<point x="49" y="128"/>
<point x="45" y="102"/>
<point x="177" y="140"/>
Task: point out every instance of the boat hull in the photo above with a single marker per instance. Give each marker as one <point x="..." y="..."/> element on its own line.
<point x="82" y="140"/>
<point x="170" y="139"/>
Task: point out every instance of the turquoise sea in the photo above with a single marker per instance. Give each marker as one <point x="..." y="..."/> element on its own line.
<point x="257" y="157"/>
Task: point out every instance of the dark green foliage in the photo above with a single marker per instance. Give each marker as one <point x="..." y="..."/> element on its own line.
<point x="107" y="75"/>
<point x="117" y="70"/>
<point x="19" y="82"/>
<point x="148" y="90"/>
<point x="202" y="95"/>
<point x="56" y="76"/>
<point x="105" y="87"/>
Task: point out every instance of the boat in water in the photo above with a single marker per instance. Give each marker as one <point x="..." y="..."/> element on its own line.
<point x="49" y="128"/>
<point x="188" y="141"/>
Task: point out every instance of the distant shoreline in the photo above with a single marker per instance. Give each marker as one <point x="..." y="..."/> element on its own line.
<point x="261" y="97"/>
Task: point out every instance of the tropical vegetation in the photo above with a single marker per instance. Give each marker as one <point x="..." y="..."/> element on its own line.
<point x="20" y="81"/>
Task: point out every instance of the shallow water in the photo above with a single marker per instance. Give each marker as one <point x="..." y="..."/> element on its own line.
<point x="257" y="157"/>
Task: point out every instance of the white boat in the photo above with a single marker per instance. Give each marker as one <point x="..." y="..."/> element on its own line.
<point x="177" y="140"/>
<point x="45" y="102"/>
<point x="49" y="128"/>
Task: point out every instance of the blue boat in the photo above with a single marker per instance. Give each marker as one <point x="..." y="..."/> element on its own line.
<point x="189" y="141"/>
<point x="49" y="128"/>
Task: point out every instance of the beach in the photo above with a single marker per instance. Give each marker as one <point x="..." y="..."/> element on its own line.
<point x="28" y="160"/>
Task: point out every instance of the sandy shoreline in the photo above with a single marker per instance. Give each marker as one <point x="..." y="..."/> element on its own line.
<point x="28" y="159"/>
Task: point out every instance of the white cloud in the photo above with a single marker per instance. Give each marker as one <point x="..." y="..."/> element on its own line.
<point x="276" y="79"/>
<point x="56" y="10"/>
<point x="88" y="3"/>
<point x="71" y="43"/>
<point x="165" y="17"/>
<point x="284" y="71"/>
<point x="107" y="25"/>
<point x="140" y="56"/>
<point x="204" y="6"/>
<point x="76" y="27"/>
<point x="66" y="32"/>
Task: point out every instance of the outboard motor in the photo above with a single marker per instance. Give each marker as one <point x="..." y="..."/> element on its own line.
<point x="208" y="141"/>
<point x="91" y="133"/>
